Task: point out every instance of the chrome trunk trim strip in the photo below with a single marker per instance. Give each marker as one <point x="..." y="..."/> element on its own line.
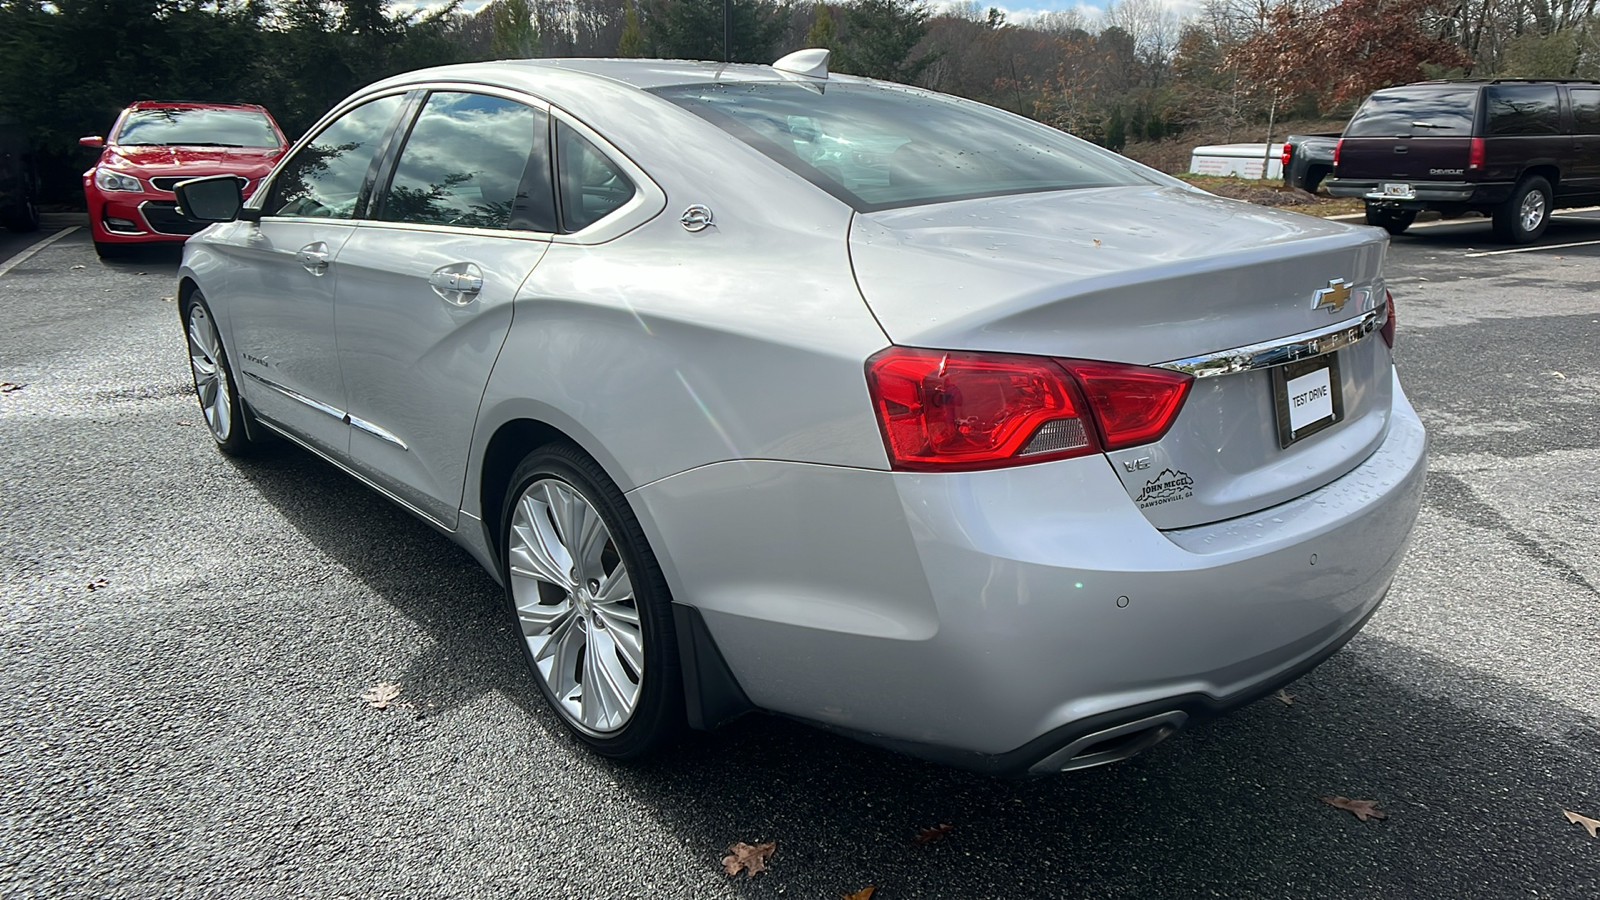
<point x="1284" y="350"/>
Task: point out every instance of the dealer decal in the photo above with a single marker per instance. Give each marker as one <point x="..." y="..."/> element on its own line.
<point x="1165" y="488"/>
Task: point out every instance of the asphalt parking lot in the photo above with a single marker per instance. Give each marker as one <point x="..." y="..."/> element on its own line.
<point x="186" y="637"/>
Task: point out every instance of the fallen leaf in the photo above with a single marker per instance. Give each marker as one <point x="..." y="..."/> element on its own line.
<point x="1559" y="375"/>
<point x="1285" y="696"/>
<point x="80" y="267"/>
<point x="381" y="695"/>
<point x="184" y="423"/>
<point x="752" y="859"/>
<point x="7" y="387"/>
<point x="1363" y="809"/>
<point x="931" y="834"/>
<point x="1097" y="242"/>
<point x="1590" y="825"/>
<point x="97" y="584"/>
<point x="169" y="299"/>
<point x="863" y="894"/>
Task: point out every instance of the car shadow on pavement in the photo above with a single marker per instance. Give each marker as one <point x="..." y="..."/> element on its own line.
<point x="415" y="571"/>
<point x="1229" y="808"/>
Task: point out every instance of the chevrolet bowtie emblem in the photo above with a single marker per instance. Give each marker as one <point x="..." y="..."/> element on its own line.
<point x="1333" y="297"/>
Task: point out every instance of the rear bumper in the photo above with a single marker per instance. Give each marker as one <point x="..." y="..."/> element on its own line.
<point x="1429" y="195"/>
<point x="994" y="619"/>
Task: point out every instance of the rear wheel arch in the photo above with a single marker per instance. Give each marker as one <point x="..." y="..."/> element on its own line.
<point x="1548" y="172"/>
<point x="511" y="442"/>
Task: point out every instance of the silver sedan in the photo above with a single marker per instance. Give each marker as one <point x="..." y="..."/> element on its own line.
<point x="761" y="388"/>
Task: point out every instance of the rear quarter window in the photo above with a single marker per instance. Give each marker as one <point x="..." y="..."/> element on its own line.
<point x="1417" y="112"/>
<point x="1585" y="110"/>
<point x="1522" y="109"/>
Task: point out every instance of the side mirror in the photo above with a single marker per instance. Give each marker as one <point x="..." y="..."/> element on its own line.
<point x="93" y="140"/>
<point x="216" y="198"/>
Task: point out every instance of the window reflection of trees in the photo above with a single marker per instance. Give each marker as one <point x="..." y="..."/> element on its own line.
<point x="438" y="204"/>
<point x="297" y="188"/>
<point x="463" y="162"/>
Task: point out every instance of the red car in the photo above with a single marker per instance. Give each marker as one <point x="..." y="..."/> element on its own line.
<point x="153" y="146"/>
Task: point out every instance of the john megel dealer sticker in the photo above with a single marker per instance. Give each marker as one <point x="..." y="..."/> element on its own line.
<point x="1165" y="488"/>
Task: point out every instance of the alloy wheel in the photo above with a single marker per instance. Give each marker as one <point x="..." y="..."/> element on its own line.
<point x="1532" y="212"/>
<point x="576" y="605"/>
<point x="210" y="377"/>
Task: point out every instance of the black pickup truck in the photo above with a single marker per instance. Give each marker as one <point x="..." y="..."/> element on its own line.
<point x="1307" y="159"/>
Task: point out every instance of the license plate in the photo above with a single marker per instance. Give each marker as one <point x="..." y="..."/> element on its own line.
<point x="1307" y="396"/>
<point x="1398" y="191"/>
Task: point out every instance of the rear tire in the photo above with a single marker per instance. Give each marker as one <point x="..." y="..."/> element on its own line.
<point x="1394" y="221"/>
<point x="1526" y="213"/>
<point x="591" y="606"/>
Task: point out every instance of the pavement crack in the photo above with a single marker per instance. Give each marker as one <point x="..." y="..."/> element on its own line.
<point x="1451" y="496"/>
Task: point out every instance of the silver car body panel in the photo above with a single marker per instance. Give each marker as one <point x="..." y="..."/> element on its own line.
<point x="717" y="376"/>
<point x="981" y="610"/>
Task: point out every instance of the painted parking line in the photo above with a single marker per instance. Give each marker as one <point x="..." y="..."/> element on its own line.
<point x="17" y="260"/>
<point x="1531" y="249"/>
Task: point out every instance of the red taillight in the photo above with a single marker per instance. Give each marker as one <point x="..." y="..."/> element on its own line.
<point x="1288" y="151"/>
<point x="1336" y="150"/>
<point x="942" y="410"/>
<point x="1388" y="323"/>
<point x="1133" y="405"/>
<point x="946" y="411"/>
<point x="1475" y="154"/>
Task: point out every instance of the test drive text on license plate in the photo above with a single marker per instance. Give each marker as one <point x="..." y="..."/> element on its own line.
<point x="1307" y="397"/>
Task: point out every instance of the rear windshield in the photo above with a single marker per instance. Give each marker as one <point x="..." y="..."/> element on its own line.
<point x="197" y="128"/>
<point x="878" y="147"/>
<point x="1417" y="112"/>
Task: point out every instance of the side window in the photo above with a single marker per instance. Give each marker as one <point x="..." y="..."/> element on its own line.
<point x="1585" y="110"/>
<point x="591" y="187"/>
<point x="1518" y="109"/>
<point x="325" y="177"/>
<point x="474" y="161"/>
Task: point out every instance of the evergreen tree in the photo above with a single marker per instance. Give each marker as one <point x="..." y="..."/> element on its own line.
<point x="879" y="36"/>
<point x="1116" y="131"/>
<point x="692" y="29"/>
<point x="515" y="35"/>
<point x="631" y="45"/>
<point x="824" y="32"/>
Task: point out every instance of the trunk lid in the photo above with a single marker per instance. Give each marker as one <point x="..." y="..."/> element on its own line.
<point x="1148" y="275"/>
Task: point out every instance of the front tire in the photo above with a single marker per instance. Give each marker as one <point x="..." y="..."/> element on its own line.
<point x="213" y="379"/>
<point x="1526" y="213"/>
<point x="1394" y="221"/>
<point x="593" y="611"/>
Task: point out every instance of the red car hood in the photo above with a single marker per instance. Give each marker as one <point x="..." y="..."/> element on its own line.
<point x="252" y="162"/>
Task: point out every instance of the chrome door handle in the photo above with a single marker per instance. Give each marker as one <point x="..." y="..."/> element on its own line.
<point x="313" y="257"/>
<point x="458" y="283"/>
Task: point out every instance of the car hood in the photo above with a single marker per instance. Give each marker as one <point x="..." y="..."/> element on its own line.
<point x="1141" y="274"/>
<point x="173" y="160"/>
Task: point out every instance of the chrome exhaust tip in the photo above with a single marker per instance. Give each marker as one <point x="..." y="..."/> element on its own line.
<point x="1113" y="744"/>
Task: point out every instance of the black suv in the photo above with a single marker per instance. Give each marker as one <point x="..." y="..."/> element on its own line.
<point x="1513" y="149"/>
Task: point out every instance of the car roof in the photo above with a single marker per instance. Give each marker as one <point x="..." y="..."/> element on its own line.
<point x="644" y="74"/>
<point x="192" y="104"/>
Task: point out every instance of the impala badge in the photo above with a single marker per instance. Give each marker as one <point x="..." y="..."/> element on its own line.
<point x="1333" y="297"/>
